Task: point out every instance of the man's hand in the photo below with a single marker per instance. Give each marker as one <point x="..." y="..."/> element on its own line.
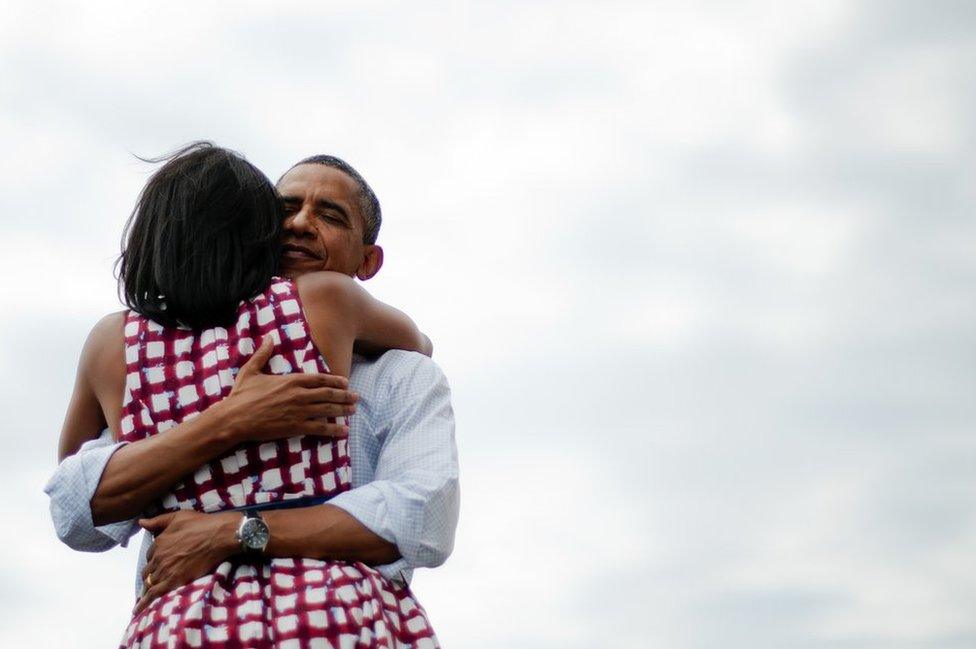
<point x="188" y="545"/>
<point x="266" y="407"/>
<point x="260" y="407"/>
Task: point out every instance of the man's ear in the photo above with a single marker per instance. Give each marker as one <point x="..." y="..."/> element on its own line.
<point x="372" y="262"/>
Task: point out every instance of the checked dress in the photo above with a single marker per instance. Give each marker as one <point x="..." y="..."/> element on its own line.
<point x="172" y="375"/>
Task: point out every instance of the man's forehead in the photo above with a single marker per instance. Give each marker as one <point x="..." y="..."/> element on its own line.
<point x="317" y="179"/>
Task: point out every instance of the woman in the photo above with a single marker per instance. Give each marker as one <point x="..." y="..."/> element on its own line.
<point x="198" y="274"/>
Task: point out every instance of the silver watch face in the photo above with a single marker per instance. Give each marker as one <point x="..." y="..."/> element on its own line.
<point x="254" y="534"/>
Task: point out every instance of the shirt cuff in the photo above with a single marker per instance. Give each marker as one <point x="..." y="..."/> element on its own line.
<point x="368" y="506"/>
<point x="71" y="489"/>
<point x="399" y="571"/>
<point x="121" y="531"/>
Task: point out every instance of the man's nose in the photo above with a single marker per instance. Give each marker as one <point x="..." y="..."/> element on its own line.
<point x="299" y="224"/>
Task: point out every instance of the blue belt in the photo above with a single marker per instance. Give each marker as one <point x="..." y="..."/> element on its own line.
<point x="290" y="503"/>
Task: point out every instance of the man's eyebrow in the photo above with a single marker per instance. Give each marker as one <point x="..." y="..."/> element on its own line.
<point x="291" y="198"/>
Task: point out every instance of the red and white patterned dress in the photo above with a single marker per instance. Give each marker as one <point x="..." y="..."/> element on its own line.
<point x="172" y="375"/>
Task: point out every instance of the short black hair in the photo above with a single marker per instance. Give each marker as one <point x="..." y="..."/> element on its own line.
<point x="369" y="205"/>
<point x="204" y="235"/>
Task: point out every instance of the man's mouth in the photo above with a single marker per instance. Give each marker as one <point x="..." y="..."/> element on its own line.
<point x="295" y="251"/>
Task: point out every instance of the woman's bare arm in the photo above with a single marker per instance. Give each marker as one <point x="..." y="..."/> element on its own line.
<point x="101" y="371"/>
<point x="342" y="314"/>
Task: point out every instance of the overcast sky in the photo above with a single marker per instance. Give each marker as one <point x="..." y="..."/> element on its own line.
<point x="700" y="274"/>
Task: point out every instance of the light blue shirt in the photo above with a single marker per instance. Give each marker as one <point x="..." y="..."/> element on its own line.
<point x="404" y="469"/>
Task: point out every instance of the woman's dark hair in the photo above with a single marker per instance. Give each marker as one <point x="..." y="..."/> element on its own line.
<point x="204" y="235"/>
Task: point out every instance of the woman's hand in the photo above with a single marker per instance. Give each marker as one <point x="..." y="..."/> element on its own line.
<point x="188" y="545"/>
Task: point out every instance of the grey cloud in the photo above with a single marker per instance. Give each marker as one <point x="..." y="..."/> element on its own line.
<point x="801" y="433"/>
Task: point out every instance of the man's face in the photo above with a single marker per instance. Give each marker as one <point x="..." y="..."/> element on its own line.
<point x="324" y="224"/>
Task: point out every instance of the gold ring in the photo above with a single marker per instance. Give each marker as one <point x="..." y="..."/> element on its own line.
<point x="149" y="580"/>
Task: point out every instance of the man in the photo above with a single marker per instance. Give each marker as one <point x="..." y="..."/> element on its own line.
<point x="402" y="510"/>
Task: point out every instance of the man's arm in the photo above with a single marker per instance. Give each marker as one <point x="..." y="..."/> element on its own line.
<point x="413" y="496"/>
<point x="259" y="407"/>
<point x="97" y="491"/>
<point x="411" y="504"/>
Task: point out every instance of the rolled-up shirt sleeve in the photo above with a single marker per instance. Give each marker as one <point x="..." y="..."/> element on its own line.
<point x="413" y="498"/>
<point x="71" y="489"/>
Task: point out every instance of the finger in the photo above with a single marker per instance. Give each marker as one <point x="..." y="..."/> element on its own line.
<point x="323" y="429"/>
<point x="150" y="596"/>
<point x="151" y="551"/>
<point x="259" y="359"/>
<point x="151" y="568"/>
<point x="141" y="604"/>
<point x="157" y="524"/>
<point x="319" y="410"/>
<point x="327" y="395"/>
<point x="317" y="380"/>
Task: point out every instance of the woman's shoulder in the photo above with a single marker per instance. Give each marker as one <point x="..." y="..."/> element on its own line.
<point x="106" y="337"/>
<point x="325" y="286"/>
<point x="324" y="280"/>
<point x="109" y="328"/>
<point x="108" y="333"/>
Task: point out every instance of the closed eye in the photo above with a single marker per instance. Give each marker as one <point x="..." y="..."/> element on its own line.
<point x="332" y="217"/>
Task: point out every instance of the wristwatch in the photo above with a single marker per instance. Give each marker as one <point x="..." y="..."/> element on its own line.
<point x="253" y="533"/>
